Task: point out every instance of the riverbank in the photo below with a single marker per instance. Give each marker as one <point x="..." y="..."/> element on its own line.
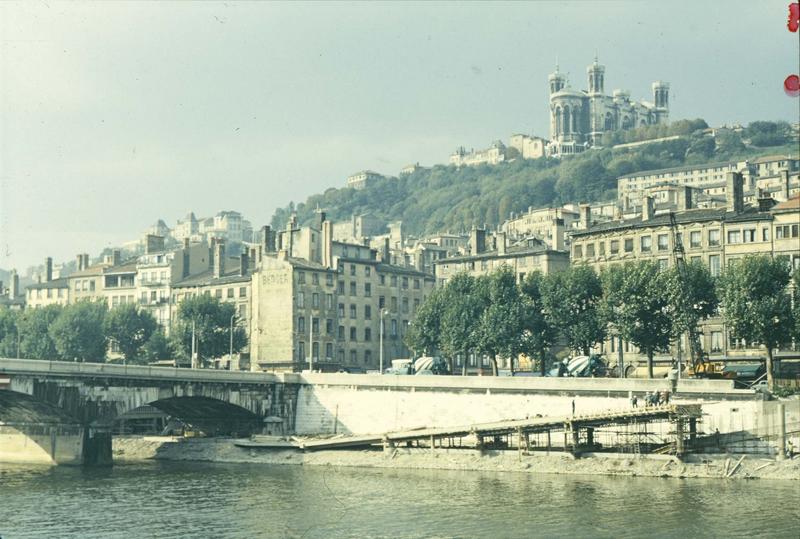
<point x="133" y="449"/>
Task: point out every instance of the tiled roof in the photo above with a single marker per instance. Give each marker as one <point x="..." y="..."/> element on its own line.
<point x="55" y="283"/>
<point x="792" y="204"/>
<point x="678" y="169"/>
<point x="206" y="278"/>
<point x="684" y="217"/>
<point x="511" y="252"/>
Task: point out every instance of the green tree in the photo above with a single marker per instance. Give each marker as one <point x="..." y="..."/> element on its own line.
<point x="538" y="331"/>
<point x="424" y="332"/>
<point x="500" y="328"/>
<point x="756" y="305"/>
<point x="130" y="327"/>
<point x="35" y="339"/>
<point x="212" y="328"/>
<point x="460" y="320"/>
<point x="158" y="347"/>
<point x="637" y="305"/>
<point x="690" y="299"/>
<point x="9" y="332"/>
<point x="573" y="300"/>
<point x="78" y="332"/>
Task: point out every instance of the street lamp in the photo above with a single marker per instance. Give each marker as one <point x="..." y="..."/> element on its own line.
<point x="383" y="312"/>
<point x="230" y="350"/>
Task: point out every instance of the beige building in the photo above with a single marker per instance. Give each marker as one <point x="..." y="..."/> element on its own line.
<point x="316" y="297"/>
<point x="360" y="180"/>
<point x="712" y="236"/>
<point x="494" y="154"/>
<point x="522" y="257"/>
<point x="539" y="222"/>
<point x="528" y="147"/>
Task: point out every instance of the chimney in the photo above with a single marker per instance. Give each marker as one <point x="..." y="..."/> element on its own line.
<point x="586" y="216"/>
<point x="477" y="241"/>
<point x="267" y="239"/>
<point x="244" y="264"/>
<point x="48" y="269"/>
<point x="419" y="260"/>
<point x="684" y="196"/>
<point x="765" y="202"/>
<point x="557" y="239"/>
<point x="784" y="184"/>
<point x="116" y="257"/>
<point x="386" y="252"/>
<point x="500" y="238"/>
<point x="648" y="208"/>
<point x="85" y="260"/>
<point x="79" y="263"/>
<point x="327" y="244"/>
<point x="153" y="243"/>
<point x="14" y="290"/>
<point x="212" y="248"/>
<point x="219" y="259"/>
<point x="734" y="192"/>
<point x="288" y="240"/>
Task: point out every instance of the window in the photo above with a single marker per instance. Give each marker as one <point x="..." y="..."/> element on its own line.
<point x="367" y="334"/>
<point x="416" y="304"/>
<point x="381" y="302"/>
<point x="368" y="290"/>
<point x="352" y="269"/>
<point x="301" y="299"/>
<point x="713" y="237"/>
<point x="315" y="300"/>
<point x="405" y="305"/>
<point x="329" y="301"/>
<point x="340" y="356"/>
<point x="416" y="284"/>
<point x="405" y="283"/>
<point x="230" y="293"/>
<point x="382" y="279"/>
<point x="91" y="285"/>
<point x="394" y="328"/>
<point x="301" y="324"/>
<point x="353" y="291"/>
<point x="614" y="247"/>
<point x="578" y="251"/>
<point x="764" y="234"/>
<point x="734" y="236"/>
<point x="590" y="250"/>
<point x="218" y="293"/>
<point x="694" y="238"/>
<point x="315" y="278"/>
<point x="367" y="312"/>
<point x="393" y="280"/>
<point x="329" y="279"/>
<point x="353" y="334"/>
<point x="716" y="341"/>
<point x="601" y="248"/>
<point x="367" y="271"/>
<point x="645" y="242"/>
<point x="340" y="335"/>
<point x="714" y="265"/>
<point x="243" y="311"/>
<point x="301" y="277"/>
<point x="340" y="287"/>
<point x="329" y="351"/>
<point x="629" y="245"/>
<point x="394" y="304"/>
<point x="663" y="263"/>
<point x="749" y="235"/>
<point x="367" y="356"/>
<point x="353" y="356"/>
<point x="352" y="311"/>
<point x="315" y="326"/>
<point x="301" y="351"/>
<point x="662" y="242"/>
<point x="341" y="310"/>
<point x="243" y="292"/>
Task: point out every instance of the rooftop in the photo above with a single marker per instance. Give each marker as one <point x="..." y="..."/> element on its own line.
<point x="55" y="283"/>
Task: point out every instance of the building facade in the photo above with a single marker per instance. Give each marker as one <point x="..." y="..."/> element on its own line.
<point x="529" y="147"/>
<point x="360" y="180"/>
<point x="578" y="118"/>
<point x="494" y="154"/>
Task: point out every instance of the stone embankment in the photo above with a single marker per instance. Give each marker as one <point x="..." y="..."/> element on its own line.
<point x="128" y="449"/>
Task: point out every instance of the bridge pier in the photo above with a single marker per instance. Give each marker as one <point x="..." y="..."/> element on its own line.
<point x="97" y="447"/>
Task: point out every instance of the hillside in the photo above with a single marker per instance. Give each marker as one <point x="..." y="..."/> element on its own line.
<point x="448" y="198"/>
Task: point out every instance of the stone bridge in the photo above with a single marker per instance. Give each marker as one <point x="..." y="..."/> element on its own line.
<point x="67" y="409"/>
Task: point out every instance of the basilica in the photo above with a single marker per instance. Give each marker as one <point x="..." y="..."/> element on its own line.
<point x="578" y="118"/>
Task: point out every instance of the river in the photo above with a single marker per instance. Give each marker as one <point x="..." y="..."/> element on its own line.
<point x="204" y="500"/>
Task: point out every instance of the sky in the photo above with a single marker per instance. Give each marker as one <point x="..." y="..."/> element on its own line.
<point x="115" y="115"/>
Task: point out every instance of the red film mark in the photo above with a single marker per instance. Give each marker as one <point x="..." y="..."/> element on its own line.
<point x="794" y="16"/>
<point x="792" y="85"/>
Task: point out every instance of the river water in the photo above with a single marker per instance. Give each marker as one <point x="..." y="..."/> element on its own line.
<point x="204" y="500"/>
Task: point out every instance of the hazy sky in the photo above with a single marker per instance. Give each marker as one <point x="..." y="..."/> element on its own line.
<point x="113" y="115"/>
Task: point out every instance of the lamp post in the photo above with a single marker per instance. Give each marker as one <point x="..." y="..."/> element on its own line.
<point x="194" y="348"/>
<point x="380" y="354"/>
<point x="311" y="345"/>
<point x="230" y="350"/>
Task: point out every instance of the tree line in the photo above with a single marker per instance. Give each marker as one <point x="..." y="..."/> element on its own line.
<point x="85" y="330"/>
<point x="494" y="316"/>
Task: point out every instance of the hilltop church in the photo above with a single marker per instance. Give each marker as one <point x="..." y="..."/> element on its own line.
<point x="578" y="118"/>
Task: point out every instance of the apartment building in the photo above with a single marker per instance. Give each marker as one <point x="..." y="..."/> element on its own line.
<point x="320" y="300"/>
<point x="715" y="237"/>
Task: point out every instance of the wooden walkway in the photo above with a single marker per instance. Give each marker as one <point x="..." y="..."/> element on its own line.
<point x="514" y="426"/>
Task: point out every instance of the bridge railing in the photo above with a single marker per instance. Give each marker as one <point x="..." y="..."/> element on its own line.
<point x="67" y="368"/>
